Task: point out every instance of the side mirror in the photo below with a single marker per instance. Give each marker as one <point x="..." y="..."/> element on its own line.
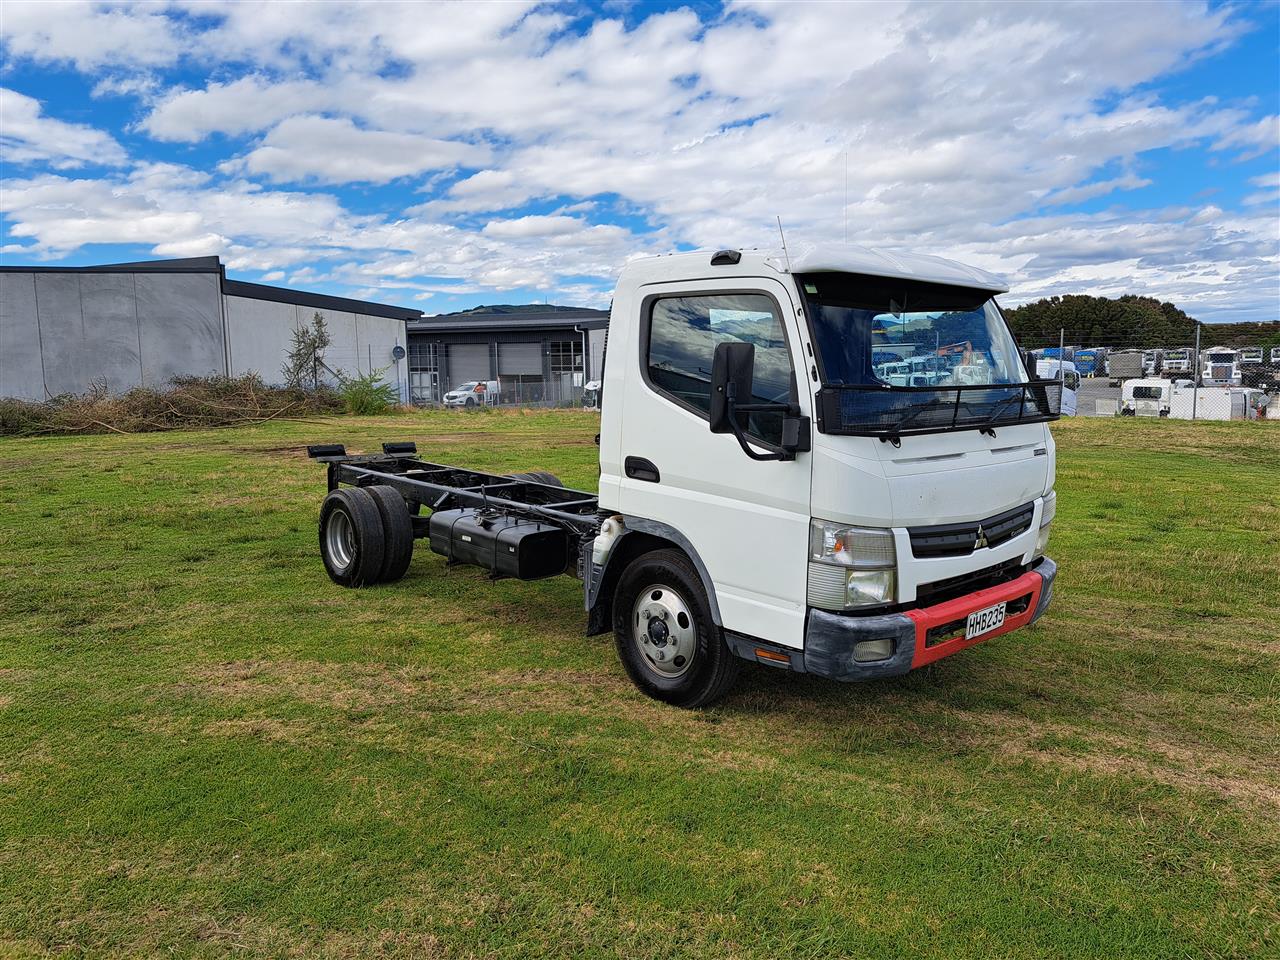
<point x="732" y="403"/>
<point x="731" y="381"/>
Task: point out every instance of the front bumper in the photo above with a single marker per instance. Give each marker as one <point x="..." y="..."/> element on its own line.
<point x="923" y="635"/>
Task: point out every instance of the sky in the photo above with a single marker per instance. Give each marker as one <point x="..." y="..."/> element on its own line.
<point x="445" y="155"/>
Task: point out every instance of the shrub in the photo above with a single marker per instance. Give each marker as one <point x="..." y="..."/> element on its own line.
<point x="367" y="394"/>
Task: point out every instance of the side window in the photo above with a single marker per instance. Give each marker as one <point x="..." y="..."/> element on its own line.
<point x="683" y="333"/>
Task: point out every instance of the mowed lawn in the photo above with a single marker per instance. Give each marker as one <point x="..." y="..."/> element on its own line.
<point x="208" y="749"/>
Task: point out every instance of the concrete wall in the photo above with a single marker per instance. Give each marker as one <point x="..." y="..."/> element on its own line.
<point x="260" y="333"/>
<point x="64" y="332"/>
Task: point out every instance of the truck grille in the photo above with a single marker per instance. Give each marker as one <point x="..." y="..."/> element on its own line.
<point x="940" y="591"/>
<point x="960" y="539"/>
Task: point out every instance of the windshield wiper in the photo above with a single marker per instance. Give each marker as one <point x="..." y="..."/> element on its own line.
<point x="989" y="427"/>
<point x="894" y="436"/>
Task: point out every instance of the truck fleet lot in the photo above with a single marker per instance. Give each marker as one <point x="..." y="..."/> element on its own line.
<point x="207" y="748"/>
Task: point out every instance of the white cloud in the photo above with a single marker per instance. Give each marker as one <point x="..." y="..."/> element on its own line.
<point x="91" y="35"/>
<point x="247" y="105"/>
<point x="962" y="125"/>
<point x="332" y="150"/>
<point x="533" y="227"/>
<point x="28" y="136"/>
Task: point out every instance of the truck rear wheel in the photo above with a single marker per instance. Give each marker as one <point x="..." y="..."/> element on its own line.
<point x="666" y="639"/>
<point x="397" y="532"/>
<point x="352" y="544"/>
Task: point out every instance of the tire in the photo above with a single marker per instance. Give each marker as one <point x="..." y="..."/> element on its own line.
<point x="397" y="532"/>
<point x="538" y="476"/>
<point x="352" y="544"/>
<point x="470" y="402"/>
<point x="665" y="585"/>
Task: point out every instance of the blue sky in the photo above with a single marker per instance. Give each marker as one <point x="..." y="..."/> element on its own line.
<point x="445" y="155"/>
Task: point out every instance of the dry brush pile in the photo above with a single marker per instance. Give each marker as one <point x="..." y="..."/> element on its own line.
<point x="185" y="403"/>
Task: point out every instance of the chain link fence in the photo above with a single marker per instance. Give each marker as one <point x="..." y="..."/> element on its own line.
<point x="1137" y="378"/>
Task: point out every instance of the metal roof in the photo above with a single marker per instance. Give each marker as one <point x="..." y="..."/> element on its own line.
<point x="511" y="322"/>
<point x="185" y="265"/>
<point x="261" y="291"/>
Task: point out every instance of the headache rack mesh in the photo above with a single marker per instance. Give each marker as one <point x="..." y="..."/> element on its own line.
<point x="873" y="410"/>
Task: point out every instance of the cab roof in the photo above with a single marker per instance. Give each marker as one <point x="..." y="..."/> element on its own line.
<point x="817" y="258"/>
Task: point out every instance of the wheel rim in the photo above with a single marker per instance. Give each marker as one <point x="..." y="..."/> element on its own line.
<point x="340" y="539"/>
<point x="663" y="631"/>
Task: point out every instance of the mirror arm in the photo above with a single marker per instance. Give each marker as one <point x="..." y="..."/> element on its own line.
<point x="734" y="409"/>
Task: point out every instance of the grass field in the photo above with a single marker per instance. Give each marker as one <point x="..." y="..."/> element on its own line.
<point x="208" y="749"/>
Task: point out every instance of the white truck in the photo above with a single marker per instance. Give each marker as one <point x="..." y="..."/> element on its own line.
<point x="1065" y="370"/>
<point x="764" y="495"/>
<point x="1220" y="367"/>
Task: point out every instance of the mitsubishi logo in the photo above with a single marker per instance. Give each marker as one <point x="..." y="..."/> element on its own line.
<point x="981" y="542"/>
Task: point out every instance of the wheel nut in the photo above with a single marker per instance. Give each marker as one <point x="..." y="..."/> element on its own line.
<point x="664" y="614"/>
<point x="646" y="614"/>
<point x="659" y="655"/>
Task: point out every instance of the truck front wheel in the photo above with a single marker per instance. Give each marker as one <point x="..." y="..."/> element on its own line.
<point x="666" y="639"/>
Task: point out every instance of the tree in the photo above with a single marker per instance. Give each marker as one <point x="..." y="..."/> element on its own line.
<point x="305" y="358"/>
<point x="1129" y="321"/>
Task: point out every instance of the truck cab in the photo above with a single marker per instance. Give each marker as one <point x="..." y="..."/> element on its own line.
<point x="1220" y="367"/>
<point x="775" y="493"/>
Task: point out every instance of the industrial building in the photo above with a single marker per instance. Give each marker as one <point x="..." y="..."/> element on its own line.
<point x="66" y="329"/>
<point x="542" y="356"/>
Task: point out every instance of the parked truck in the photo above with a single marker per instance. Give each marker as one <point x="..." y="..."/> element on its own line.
<point x="764" y="494"/>
<point x="1126" y="365"/>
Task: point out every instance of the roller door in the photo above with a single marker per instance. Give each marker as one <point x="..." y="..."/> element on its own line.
<point x="519" y="359"/>
<point x="468" y="361"/>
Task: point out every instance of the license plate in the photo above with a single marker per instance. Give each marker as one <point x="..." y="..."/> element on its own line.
<point x="984" y="621"/>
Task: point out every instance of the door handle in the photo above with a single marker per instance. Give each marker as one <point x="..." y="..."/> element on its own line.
<point x="638" y="468"/>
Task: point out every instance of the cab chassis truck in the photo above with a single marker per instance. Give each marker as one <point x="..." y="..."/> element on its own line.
<point x="763" y="496"/>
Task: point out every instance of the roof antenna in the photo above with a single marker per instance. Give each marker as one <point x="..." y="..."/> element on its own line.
<point x="846" y="196"/>
<point x="784" y="244"/>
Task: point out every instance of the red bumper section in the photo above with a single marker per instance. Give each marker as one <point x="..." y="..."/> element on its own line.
<point x="852" y="648"/>
<point x="940" y="629"/>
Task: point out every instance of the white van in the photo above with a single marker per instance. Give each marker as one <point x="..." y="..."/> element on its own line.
<point x="1048" y="370"/>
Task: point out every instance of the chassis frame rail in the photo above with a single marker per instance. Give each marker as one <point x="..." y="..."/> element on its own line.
<point x="439" y="486"/>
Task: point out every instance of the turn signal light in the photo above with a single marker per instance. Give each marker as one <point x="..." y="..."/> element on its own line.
<point x="772" y="656"/>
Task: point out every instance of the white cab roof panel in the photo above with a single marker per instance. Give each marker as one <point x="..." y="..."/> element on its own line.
<point x="851" y="258"/>
<point x="817" y="258"/>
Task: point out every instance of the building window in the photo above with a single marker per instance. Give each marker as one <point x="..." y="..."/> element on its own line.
<point x="424" y="372"/>
<point x="566" y="361"/>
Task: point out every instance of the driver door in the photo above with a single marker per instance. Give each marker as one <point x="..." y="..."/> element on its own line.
<point x="747" y="520"/>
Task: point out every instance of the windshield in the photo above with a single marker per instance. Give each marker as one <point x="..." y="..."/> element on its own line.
<point x="903" y="356"/>
<point x="466" y="387"/>
<point x="902" y="333"/>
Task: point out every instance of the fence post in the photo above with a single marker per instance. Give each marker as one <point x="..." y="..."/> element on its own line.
<point x="1195" y="388"/>
<point x="1062" y="362"/>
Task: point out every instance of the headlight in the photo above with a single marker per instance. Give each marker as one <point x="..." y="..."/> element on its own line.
<point x="861" y="547"/>
<point x="850" y="566"/>
<point x="1047" y="513"/>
